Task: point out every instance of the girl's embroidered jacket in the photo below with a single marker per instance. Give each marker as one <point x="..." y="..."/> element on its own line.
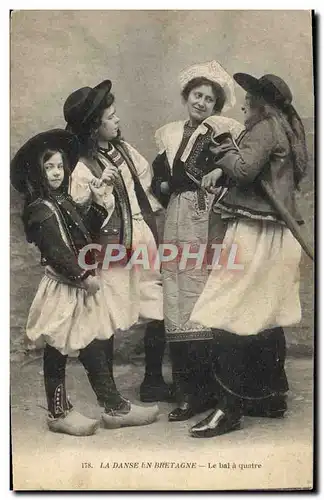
<point x="263" y="152"/>
<point x="60" y="229"/>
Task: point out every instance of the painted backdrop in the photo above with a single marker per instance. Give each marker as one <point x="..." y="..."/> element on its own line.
<point x="142" y="52"/>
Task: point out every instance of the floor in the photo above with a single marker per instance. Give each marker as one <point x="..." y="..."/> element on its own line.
<point x="265" y="453"/>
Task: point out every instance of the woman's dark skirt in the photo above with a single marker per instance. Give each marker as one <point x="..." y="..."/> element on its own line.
<point x="249" y="371"/>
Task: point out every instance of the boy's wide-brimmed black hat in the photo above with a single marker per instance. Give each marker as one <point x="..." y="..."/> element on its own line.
<point x="26" y="163"/>
<point x="271" y="87"/>
<point x="72" y="109"/>
<point x="81" y="104"/>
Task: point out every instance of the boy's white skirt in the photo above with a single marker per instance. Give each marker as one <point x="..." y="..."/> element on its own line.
<point x="265" y="293"/>
<point x="134" y="294"/>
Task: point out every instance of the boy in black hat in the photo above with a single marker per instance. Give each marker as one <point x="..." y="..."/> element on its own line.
<point x="133" y="295"/>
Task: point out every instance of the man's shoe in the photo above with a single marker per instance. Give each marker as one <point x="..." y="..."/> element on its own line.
<point x="216" y="424"/>
<point x="181" y="413"/>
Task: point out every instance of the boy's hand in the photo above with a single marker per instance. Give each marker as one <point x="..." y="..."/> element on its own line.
<point x="95" y="182"/>
<point x="97" y="188"/>
<point x="164" y="187"/>
<point x="109" y="175"/>
<point x="92" y="284"/>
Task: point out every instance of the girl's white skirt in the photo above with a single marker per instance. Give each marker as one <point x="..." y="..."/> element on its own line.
<point x="67" y="317"/>
<point x="265" y="293"/>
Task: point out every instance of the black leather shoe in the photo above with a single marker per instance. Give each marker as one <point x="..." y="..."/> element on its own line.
<point x="274" y="407"/>
<point x="216" y="424"/>
<point x="152" y="391"/>
<point x="181" y="413"/>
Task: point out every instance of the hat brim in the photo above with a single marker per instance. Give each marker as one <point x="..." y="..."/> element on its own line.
<point x="248" y="82"/>
<point x="95" y="98"/>
<point x="27" y="155"/>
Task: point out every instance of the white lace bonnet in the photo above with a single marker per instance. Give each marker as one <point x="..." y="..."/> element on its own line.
<point x="214" y="72"/>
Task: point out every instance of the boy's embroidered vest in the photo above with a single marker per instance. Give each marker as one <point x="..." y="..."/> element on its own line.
<point x="145" y="206"/>
<point x="119" y="228"/>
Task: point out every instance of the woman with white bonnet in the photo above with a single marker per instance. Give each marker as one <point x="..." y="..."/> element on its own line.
<point x="183" y="160"/>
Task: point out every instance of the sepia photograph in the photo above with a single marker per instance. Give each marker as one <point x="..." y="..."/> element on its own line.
<point x="162" y="206"/>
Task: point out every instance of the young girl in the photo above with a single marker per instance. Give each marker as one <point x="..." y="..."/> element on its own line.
<point x="68" y="314"/>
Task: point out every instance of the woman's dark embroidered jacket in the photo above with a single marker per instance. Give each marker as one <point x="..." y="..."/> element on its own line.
<point x="264" y="150"/>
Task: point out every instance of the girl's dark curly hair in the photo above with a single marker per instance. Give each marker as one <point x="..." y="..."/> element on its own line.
<point x="218" y="92"/>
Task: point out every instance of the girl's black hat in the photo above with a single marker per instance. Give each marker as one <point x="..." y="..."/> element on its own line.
<point x="271" y="87"/>
<point x="25" y="161"/>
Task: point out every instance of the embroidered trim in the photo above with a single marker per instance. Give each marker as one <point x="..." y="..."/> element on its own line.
<point x="191" y="168"/>
<point x="122" y="201"/>
<point x="141" y="196"/>
<point x="62" y="227"/>
<point x="190" y="148"/>
<point x="189" y="326"/>
<point x="246" y="213"/>
<point x="190" y="331"/>
<point x="201" y="201"/>
<point x="59" y="400"/>
<point x="59" y="278"/>
<point x="196" y="151"/>
<point x="217" y="125"/>
<point x="190" y="335"/>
